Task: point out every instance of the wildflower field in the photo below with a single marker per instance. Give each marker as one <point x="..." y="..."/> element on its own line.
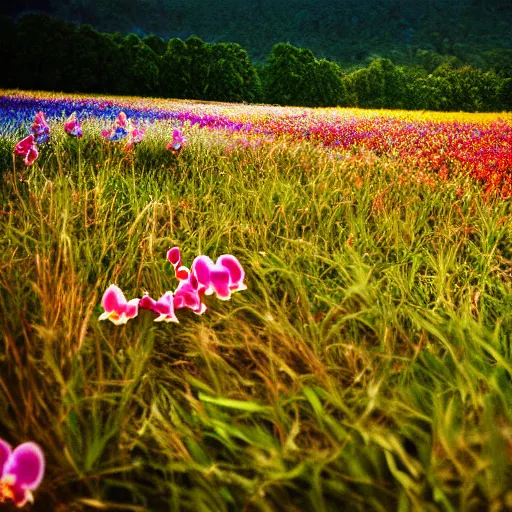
<point x="223" y="307"/>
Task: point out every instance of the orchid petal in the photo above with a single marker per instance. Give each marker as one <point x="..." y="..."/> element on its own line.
<point x="236" y="272"/>
<point x="182" y="273"/>
<point x="174" y="256"/>
<point x="24" y="145"/>
<point x="219" y="281"/>
<point x="122" y="119"/>
<point x="165" y="306"/>
<point x="147" y="302"/>
<point x="201" y="269"/>
<point x="113" y="300"/>
<point x="26" y="464"/>
<point x="132" y="308"/>
<point x="187" y="296"/>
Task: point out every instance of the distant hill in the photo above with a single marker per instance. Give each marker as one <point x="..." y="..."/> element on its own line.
<point x="350" y="32"/>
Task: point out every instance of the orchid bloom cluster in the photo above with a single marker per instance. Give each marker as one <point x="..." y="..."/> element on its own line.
<point x="204" y="277"/>
<point x="123" y="129"/>
<point x="21" y="472"/>
<point x="27" y="147"/>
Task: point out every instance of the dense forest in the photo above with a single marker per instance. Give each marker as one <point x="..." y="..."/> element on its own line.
<point x="350" y="32"/>
<point x="38" y="51"/>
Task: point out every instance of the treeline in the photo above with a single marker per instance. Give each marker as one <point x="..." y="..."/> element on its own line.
<point x="350" y="32"/>
<point x="44" y="53"/>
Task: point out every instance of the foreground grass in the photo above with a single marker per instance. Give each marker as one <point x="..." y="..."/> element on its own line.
<point x="367" y="366"/>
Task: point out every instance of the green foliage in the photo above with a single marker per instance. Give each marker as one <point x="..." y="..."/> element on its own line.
<point x="380" y="85"/>
<point x="294" y="77"/>
<point x="231" y="75"/>
<point x="467" y="89"/>
<point x="345" y="32"/>
<point x="156" y="44"/>
<point x="174" y="70"/>
<point x="77" y="58"/>
<point x="286" y="74"/>
<point x="216" y="72"/>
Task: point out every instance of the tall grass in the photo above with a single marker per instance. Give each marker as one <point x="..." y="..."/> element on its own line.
<point x="367" y="366"/>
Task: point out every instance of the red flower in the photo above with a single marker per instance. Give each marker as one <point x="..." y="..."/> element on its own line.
<point x="28" y="149"/>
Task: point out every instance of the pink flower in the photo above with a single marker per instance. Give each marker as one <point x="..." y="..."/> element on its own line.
<point x="212" y="277"/>
<point x="21" y="472"/>
<point x="164" y="306"/>
<point x="28" y="149"/>
<point x="236" y="272"/>
<point x="177" y="141"/>
<point x="117" y="309"/>
<point x="188" y="295"/>
<point x="72" y="126"/>
<point x="222" y="277"/>
<point x="181" y="272"/>
<point x="119" y="129"/>
<point x="40" y="128"/>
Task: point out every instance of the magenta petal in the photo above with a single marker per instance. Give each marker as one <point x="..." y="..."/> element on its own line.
<point x="236" y="273"/>
<point x="5" y="453"/>
<point x="147" y="302"/>
<point x="165" y="304"/>
<point x="174" y="256"/>
<point x="113" y="299"/>
<point x="201" y="269"/>
<point x="219" y="281"/>
<point x="187" y="296"/>
<point x="26" y="464"/>
<point x="132" y="308"/>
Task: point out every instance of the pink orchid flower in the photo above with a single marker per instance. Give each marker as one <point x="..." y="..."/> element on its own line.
<point x="236" y="272"/>
<point x="117" y="309"/>
<point x="40" y="128"/>
<point x="177" y="141"/>
<point x="188" y="295"/>
<point x="28" y="149"/>
<point x="213" y="278"/>
<point x="223" y="277"/>
<point x="72" y="126"/>
<point x="21" y="472"/>
<point x="164" y="306"/>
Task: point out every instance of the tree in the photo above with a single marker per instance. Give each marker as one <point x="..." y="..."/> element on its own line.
<point x="174" y="70"/>
<point x="156" y="44"/>
<point x="380" y="85"/>
<point x="231" y="75"/>
<point x="286" y="74"/>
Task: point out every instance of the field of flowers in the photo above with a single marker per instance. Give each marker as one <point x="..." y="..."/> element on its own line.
<point x="222" y="307"/>
<point x="477" y="145"/>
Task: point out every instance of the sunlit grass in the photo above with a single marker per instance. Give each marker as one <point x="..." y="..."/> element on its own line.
<point x="367" y="366"/>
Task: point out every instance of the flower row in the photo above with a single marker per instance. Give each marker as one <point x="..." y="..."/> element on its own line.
<point x="122" y="129"/>
<point x="204" y="277"/>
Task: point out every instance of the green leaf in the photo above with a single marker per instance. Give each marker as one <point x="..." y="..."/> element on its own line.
<point x="233" y="404"/>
